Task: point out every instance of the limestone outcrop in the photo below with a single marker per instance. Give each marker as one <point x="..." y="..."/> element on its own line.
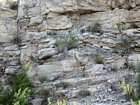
<point x="89" y="44"/>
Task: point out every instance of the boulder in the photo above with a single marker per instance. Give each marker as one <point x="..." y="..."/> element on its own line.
<point x="12" y="69"/>
<point x="46" y="53"/>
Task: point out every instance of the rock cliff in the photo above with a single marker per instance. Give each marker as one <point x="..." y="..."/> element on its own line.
<point x="101" y="28"/>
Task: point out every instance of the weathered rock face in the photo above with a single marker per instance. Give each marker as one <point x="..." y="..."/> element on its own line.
<point x="8" y="24"/>
<point x="40" y="22"/>
<point x="64" y="14"/>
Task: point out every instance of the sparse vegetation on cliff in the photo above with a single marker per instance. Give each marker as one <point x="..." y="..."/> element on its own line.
<point x="67" y="42"/>
<point x="20" y="92"/>
<point x="14" y="5"/>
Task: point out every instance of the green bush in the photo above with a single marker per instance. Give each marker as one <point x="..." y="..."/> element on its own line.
<point x="20" y="93"/>
<point x="113" y="68"/>
<point x="5" y="96"/>
<point x="67" y="42"/>
<point x="59" y="102"/>
<point x="133" y="93"/>
<point x="21" y="97"/>
<point x="14" y="5"/>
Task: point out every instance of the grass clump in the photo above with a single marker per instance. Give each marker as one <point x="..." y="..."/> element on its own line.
<point x="19" y="94"/>
<point x="63" y="84"/>
<point x="98" y="59"/>
<point x="16" y="40"/>
<point x="95" y="27"/>
<point x="83" y="30"/>
<point x="44" y="91"/>
<point x="120" y="27"/>
<point x="67" y="42"/>
<point x="14" y="5"/>
<point x="84" y="93"/>
<point x="113" y="68"/>
<point x="42" y="78"/>
<point x="125" y="46"/>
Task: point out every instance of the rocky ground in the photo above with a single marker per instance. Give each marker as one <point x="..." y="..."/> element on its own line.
<point x="80" y="79"/>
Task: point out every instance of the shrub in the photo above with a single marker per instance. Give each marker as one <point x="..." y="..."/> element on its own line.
<point x="135" y="103"/>
<point x="21" y="96"/>
<point x="66" y="43"/>
<point x="14" y="5"/>
<point x="95" y="27"/>
<point x="133" y="93"/>
<point x="21" y="80"/>
<point x="5" y="95"/>
<point x="127" y="88"/>
<point x="98" y="59"/>
<point x="20" y="92"/>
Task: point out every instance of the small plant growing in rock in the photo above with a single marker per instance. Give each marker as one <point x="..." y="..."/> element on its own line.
<point x="98" y="59"/>
<point x="16" y="40"/>
<point x="135" y="103"/>
<point x="131" y="66"/>
<point x="59" y="102"/>
<point x="82" y="30"/>
<point x="44" y="91"/>
<point x="21" y="96"/>
<point x="84" y="93"/>
<point x="127" y="88"/>
<point x="95" y="27"/>
<point x="132" y="93"/>
<point x="20" y="93"/>
<point x="136" y="69"/>
<point x="63" y="84"/>
<point x="5" y="95"/>
<point x="113" y="68"/>
<point x="42" y="78"/>
<point x="66" y="43"/>
<point x="14" y="5"/>
<point x="121" y="27"/>
<point x="125" y="46"/>
<point x="123" y="52"/>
